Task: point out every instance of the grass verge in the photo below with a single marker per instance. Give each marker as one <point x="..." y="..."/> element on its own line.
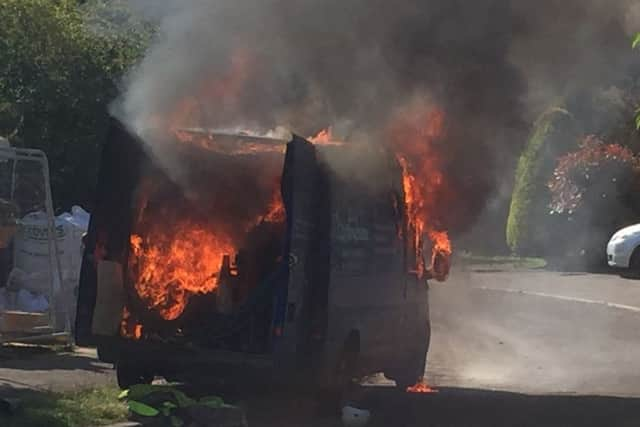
<point x="83" y="408"/>
<point x="502" y="261"/>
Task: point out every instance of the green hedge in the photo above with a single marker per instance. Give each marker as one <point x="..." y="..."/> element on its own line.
<point x="554" y="133"/>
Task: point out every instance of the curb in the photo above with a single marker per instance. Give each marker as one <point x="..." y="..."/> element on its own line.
<point x="125" y="424"/>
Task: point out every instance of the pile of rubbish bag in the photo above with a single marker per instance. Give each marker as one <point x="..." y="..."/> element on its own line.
<point x="34" y="269"/>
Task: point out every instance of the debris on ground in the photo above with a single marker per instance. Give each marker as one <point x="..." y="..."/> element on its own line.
<point x="355" y="417"/>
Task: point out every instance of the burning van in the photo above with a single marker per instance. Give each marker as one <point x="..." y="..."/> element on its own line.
<point x="255" y="255"/>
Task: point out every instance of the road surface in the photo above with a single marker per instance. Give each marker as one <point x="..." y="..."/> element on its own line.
<point x="510" y="348"/>
<point x="513" y="348"/>
<point x="536" y="332"/>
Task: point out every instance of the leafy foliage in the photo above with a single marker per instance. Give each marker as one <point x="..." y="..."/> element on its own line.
<point x="553" y="134"/>
<point x="594" y="192"/>
<point x="636" y="41"/>
<point x="595" y="165"/>
<point x="60" y="65"/>
<point x="142" y="409"/>
<point x="166" y="402"/>
<point x="634" y="44"/>
<point x="90" y="407"/>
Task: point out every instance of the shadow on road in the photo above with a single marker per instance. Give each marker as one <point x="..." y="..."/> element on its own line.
<point x="463" y="407"/>
<point x="449" y="407"/>
<point x="13" y="352"/>
<point x="38" y="358"/>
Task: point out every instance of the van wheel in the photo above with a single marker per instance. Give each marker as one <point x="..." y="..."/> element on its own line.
<point x="407" y="379"/>
<point x="412" y="369"/>
<point x="341" y="386"/>
<point x="129" y="374"/>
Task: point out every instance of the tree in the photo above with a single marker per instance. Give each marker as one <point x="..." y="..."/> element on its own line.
<point x="60" y="65"/>
<point x="594" y="190"/>
<point x="553" y="134"/>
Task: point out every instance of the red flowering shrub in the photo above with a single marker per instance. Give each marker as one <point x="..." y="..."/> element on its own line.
<point x="596" y="171"/>
<point x="594" y="192"/>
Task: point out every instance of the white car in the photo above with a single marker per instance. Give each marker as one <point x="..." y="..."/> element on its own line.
<point x="623" y="250"/>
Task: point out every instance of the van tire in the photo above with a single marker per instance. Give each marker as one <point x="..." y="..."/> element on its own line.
<point x="409" y="371"/>
<point x="408" y="377"/>
<point x="129" y="374"/>
<point x="340" y="387"/>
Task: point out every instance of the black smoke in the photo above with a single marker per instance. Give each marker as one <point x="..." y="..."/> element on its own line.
<point x="490" y="65"/>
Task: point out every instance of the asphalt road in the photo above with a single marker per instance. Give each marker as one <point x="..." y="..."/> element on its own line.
<point x="510" y="348"/>
<point x="536" y="332"/>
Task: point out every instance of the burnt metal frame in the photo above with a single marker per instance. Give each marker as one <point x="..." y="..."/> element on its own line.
<point x="124" y="152"/>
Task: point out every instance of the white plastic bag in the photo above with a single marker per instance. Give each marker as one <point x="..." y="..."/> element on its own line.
<point x="32" y="247"/>
<point x="31" y="302"/>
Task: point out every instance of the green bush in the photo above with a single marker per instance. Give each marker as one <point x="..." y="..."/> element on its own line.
<point x="60" y="68"/>
<point x="553" y="134"/>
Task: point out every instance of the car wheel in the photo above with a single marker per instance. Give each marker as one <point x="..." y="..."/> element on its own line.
<point x="634" y="263"/>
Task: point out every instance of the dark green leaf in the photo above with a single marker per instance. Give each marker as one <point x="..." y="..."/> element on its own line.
<point x="142" y="409"/>
<point x="176" y="422"/>
<point x="169" y="405"/>
<point x="212" y="401"/>
<point x="139" y="391"/>
<point x="182" y="399"/>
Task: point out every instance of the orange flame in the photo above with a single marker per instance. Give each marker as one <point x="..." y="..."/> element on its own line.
<point x="129" y="328"/>
<point x="172" y="265"/>
<point x="421" y="387"/>
<point x="324" y="137"/>
<point x="172" y="261"/>
<point x="275" y="212"/>
<point x="412" y="137"/>
<point x="196" y="108"/>
<point x="227" y="144"/>
<point x="169" y="263"/>
<point x="440" y="254"/>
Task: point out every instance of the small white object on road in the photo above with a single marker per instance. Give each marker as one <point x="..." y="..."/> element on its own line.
<point x="355" y="417"/>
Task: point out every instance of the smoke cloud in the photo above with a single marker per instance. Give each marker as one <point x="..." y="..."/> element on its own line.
<point x="490" y="65"/>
